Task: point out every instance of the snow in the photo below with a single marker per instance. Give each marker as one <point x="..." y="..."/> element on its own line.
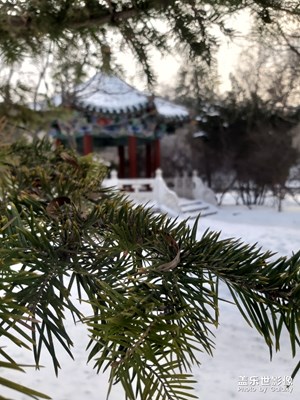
<point x="200" y="134"/>
<point x="110" y="94"/>
<point x="240" y="351"/>
<point x="170" y="110"/>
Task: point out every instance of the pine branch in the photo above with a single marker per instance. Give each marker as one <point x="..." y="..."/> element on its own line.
<point x="27" y="27"/>
<point x="79" y="19"/>
<point x="152" y="286"/>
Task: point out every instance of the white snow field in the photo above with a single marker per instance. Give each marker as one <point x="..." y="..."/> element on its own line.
<point x="240" y="369"/>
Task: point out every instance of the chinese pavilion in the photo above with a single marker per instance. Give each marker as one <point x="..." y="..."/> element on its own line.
<point x="106" y="111"/>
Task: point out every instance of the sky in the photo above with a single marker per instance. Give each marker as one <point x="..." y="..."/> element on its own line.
<point x="166" y="67"/>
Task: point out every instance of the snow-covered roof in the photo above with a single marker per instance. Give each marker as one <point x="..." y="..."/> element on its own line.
<point x="110" y="94"/>
<point x="170" y="110"/>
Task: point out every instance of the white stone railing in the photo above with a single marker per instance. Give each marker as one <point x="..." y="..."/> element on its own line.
<point x="192" y="188"/>
<point x="147" y="190"/>
<point x="182" y="185"/>
<point x="156" y="192"/>
<point x="201" y="191"/>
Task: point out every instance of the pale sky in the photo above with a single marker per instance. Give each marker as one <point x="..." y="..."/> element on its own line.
<point x="167" y="67"/>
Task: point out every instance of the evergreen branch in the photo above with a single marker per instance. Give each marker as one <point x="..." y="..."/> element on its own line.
<point x="77" y="18"/>
<point x="152" y="286"/>
<point x="27" y="27"/>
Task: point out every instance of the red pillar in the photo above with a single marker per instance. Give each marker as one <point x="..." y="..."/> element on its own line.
<point x="132" y="152"/>
<point x="87" y="144"/>
<point x="149" y="170"/>
<point x="156" y="154"/>
<point x="121" y="152"/>
<point x="57" y="143"/>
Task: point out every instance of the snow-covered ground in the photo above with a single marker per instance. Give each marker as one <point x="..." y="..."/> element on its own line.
<point x="240" y="354"/>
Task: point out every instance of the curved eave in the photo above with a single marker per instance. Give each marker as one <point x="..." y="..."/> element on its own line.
<point x="171" y="111"/>
<point x="175" y="118"/>
<point x="112" y="111"/>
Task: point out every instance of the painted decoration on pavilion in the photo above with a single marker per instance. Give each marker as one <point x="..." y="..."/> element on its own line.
<point x="145" y="125"/>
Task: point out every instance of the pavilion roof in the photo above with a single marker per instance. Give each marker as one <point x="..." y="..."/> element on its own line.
<point x="110" y="94"/>
<point x="169" y="109"/>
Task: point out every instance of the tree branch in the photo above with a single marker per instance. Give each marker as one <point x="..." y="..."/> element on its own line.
<point x="19" y="24"/>
<point x="287" y="41"/>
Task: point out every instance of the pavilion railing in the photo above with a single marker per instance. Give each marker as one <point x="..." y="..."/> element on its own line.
<point x="156" y="192"/>
<point x="191" y="187"/>
<point x="147" y="190"/>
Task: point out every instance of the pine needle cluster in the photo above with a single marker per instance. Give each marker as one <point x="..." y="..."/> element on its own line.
<point x="152" y="286"/>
